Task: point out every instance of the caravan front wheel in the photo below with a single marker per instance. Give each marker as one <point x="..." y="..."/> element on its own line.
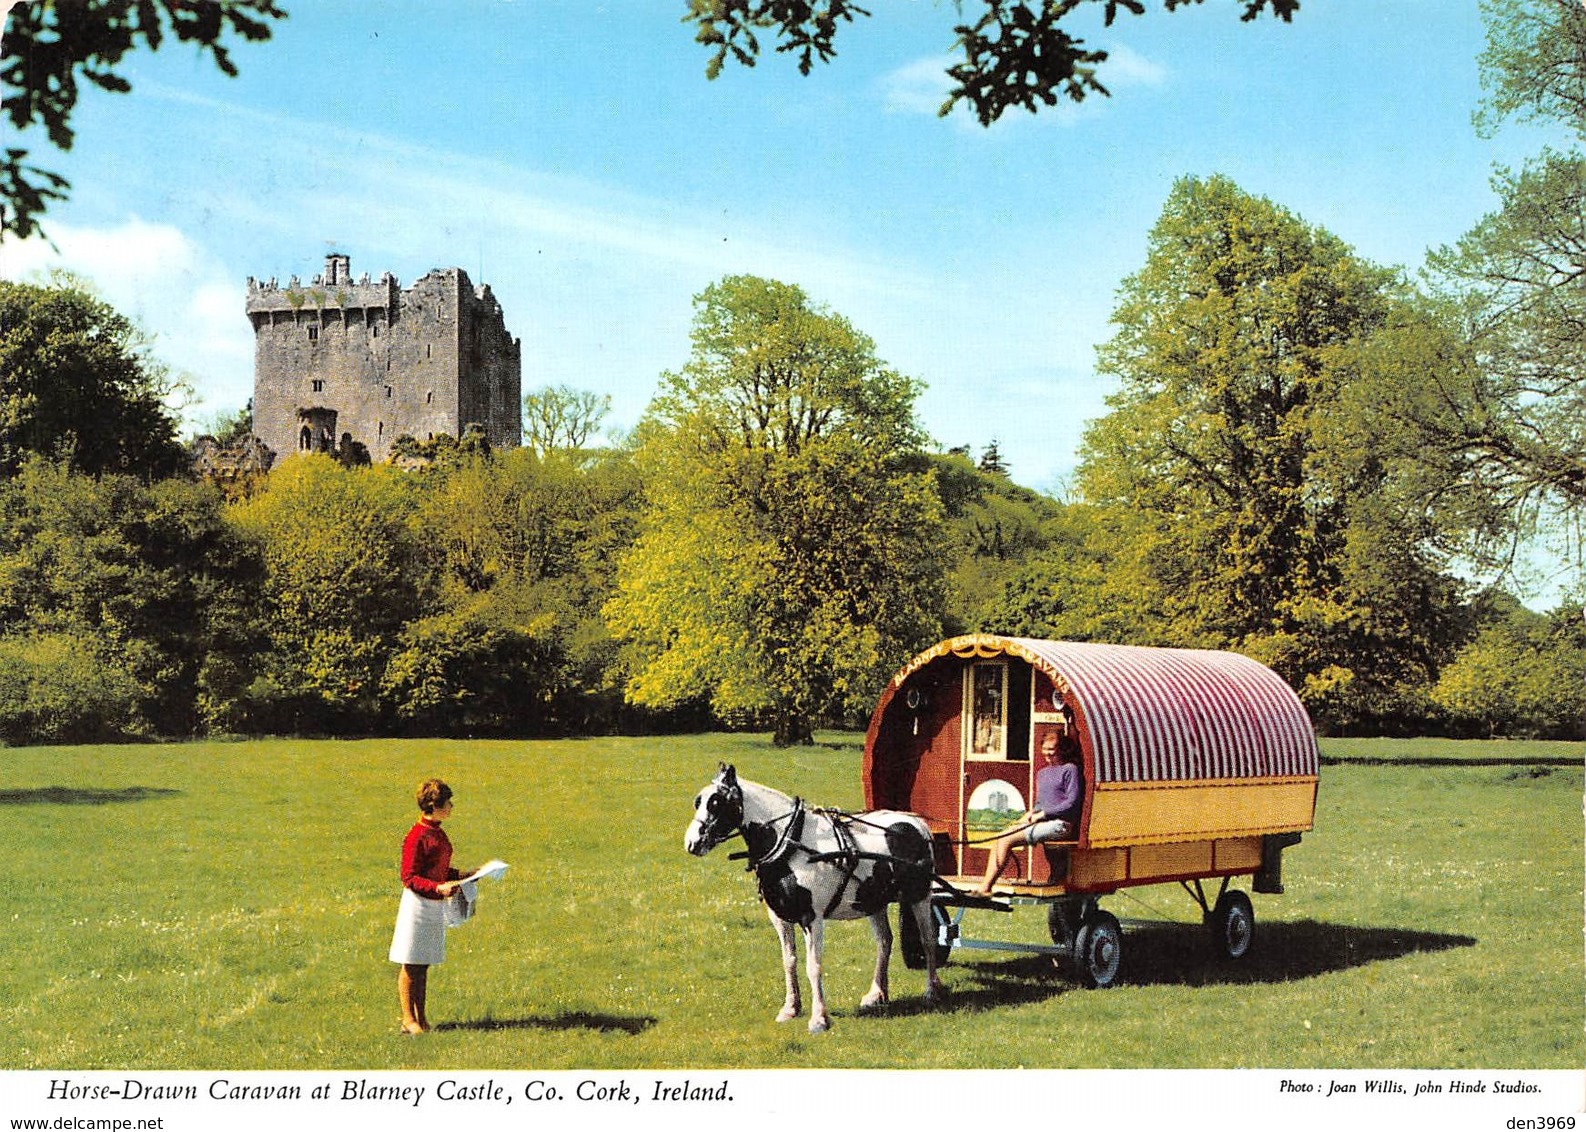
<point x="1098" y="950"/>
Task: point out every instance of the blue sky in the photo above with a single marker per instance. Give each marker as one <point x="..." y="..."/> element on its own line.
<point x="574" y="156"/>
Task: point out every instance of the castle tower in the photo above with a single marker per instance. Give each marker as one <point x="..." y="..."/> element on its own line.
<point x="338" y="362"/>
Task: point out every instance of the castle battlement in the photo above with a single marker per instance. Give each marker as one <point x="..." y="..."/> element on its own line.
<point x="332" y="291"/>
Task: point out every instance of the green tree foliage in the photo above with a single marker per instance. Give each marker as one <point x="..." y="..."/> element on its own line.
<point x="234" y="427"/>
<point x="465" y="598"/>
<point x="1235" y="495"/>
<point x="50" y="46"/>
<point x="1534" y="65"/>
<point x="1088" y="583"/>
<point x="345" y="570"/>
<point x="77" y="384"/>
<point x="1013" y="53"/>
<point x="524" y="549"/>
<point x="1517" y="418"/>
<point x="994" y="528"/>
<point x="788" y="556"/>
<point x="123" y="605"/>
<point x="559" y="417"/>
<point x="1523" y="675"/>
<point x="59" y="688"/>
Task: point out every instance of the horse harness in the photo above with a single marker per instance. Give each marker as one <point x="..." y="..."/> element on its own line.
<point x="847" y="853"/>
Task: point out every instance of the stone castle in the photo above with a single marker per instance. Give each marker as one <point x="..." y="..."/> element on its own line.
<point x="338" y="363"/>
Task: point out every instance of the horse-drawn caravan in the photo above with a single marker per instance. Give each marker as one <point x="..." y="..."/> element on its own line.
<point x="1193" y="766"/>
<point x="1197" y="766"/>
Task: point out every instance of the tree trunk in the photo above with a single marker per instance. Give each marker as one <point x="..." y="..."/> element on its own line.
<point x="792" y="729"/>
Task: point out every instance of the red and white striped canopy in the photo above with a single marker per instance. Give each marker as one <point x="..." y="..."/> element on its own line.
<point x="1156" y="715"/>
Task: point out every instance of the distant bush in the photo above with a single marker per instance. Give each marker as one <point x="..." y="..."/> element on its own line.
<point x="1524" y="676"/>
<point x="55" y="688"/>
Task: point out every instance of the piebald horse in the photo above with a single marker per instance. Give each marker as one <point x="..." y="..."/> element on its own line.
<point x="817" y="865"/>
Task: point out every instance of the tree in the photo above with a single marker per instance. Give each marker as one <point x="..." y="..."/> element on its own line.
<point x="124" y="606"/>
<point x="232" y="428"/>
<point x="1240" y="492"/>
<point x="47" y="46"/>
<point x="524" y="550"/>
<point x="1518" y="279"/>
<point x="560" y="417"/>
<point x="991" y="460"/>
<point x="1534" y="64"/>
<point x="1017" y="53"/>
<point x="77" y="383"/>
<point x="993" y="528"/>
<point x="788" y="553"/>
<point x="1523" y="675"/>
<point x="346" y="568"/>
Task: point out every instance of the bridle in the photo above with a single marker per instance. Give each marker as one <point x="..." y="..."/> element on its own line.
<point x="724" y="819"/>
<point x="723" y="812"/>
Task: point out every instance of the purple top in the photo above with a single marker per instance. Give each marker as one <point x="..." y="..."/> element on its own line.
<point x="1057" y="791"/>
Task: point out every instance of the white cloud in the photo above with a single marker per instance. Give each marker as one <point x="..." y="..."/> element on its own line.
<point x="1128" y="68"/>
<point x="919" y="87"/>
<point x="168" y="284"/>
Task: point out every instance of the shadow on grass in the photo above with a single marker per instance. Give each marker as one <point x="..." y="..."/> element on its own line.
<point x="1180" y="955"/>
<point x="573" y="1020"/>
<point x="80" y="796"/>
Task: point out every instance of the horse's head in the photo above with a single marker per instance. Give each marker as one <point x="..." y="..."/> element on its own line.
<point x="718" y="813"/>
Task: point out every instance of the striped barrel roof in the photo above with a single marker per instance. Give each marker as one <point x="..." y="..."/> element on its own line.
<point x="1156" y="715"/>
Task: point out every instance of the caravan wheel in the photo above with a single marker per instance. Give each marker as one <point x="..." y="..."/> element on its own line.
<point x="1232" y="924"/>
<point x="1098" y="950"/>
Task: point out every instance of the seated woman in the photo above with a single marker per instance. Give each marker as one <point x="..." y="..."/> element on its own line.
<point x="1059" y="799"/>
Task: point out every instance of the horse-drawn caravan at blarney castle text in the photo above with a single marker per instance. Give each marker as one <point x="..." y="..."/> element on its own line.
<point x="1080" y="768"/>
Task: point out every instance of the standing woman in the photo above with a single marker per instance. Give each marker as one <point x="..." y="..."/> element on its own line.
<point x="428" y="880"/>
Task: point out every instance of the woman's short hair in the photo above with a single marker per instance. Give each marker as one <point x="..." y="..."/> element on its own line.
<point x="432" y="795"/>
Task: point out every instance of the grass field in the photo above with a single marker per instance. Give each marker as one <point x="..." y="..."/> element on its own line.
<point x="229" y="905"/>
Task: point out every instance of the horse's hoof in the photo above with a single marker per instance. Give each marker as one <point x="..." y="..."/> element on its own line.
<point x="872" y="1000"/>
<point x="787" y="1014"/>
<point x="819" y="1026"/>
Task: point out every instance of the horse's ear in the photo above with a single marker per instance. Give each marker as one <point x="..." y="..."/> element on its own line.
<point x="729" y="773"/>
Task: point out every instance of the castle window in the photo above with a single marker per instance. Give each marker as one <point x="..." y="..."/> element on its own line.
<point x="429" y="398"/>
<point x="374" y="331"/>
<point x="319" y="386"/>
<point x="313" y="334"/>
<point x="388" y="391"/>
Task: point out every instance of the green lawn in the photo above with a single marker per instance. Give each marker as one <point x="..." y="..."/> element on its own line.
<point x="229" y="905"/>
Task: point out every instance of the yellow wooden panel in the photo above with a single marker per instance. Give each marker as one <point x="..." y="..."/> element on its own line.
<point x="1152" y="813"/>
<point x="1097" y="866"/>
<point x="1183" y="859"/>
<point x="1238" y="853"/>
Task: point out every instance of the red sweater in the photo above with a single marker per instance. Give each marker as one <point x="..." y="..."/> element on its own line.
<point x="426" y="859"/>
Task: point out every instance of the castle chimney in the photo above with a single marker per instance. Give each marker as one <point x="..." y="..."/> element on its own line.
<point x="338" y="270"/>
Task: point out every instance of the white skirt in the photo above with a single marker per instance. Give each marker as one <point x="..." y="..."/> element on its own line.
<point x="420" y="936"/>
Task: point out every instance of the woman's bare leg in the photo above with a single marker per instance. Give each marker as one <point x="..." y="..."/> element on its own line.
<point x="412" y="982"/>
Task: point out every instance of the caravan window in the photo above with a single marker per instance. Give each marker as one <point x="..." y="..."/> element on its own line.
<point x="986" y="710"/>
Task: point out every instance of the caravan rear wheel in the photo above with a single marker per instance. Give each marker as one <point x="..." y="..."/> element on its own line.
<point x="1232" y="924"/>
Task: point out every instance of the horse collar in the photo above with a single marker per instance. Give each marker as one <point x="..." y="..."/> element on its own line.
<point x="790" y="835"/>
